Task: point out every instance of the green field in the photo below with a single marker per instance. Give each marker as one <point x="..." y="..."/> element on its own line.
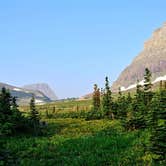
<point x="77" y="142"/>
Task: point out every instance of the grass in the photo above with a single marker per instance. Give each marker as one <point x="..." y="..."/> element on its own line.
<point x="70" y="140"/>
<point x="77" y="142"/>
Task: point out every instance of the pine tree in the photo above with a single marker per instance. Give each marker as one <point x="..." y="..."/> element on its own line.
<point x="17" y="117"/>
<point x="96" y="98"/>
<point x="5" y="112"/>
<point x="122" y="106"/>
<point x="158" y="127"/>
<point x="34" y="114"/>
<point x="107" y="99"/>
<point x="5" y="102"/>
<point x="138" y="109"/>
<point x="147" y="86"/>
<point x="147" y="80"/>
<point x="34" y="117"/>
<point x="148" y="95"/>
<point x="129" y="98"/>
<point x="10" y="117"/>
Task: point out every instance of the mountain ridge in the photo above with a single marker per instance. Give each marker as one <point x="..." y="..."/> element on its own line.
<point x="153" y="56"/>
<point x="42" y="87"/>
<point x="24" y="95"/>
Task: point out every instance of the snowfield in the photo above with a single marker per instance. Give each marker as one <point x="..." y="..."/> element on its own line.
<point x="162" y="78"/>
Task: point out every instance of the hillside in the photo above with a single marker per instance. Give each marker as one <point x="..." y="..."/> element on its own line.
<point x="24" y="95"/>
<point x="153" y="56"/>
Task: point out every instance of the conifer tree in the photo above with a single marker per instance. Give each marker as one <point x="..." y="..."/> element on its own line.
<point x="158" y="127"/>
<point x="5" y="102"/>
<point x="34" y="115"/>
<point x="10" y="117"/>
<point x="138" y="108"/>
<point x="129" y="98"/>
<point x="147" y="80"/>
<point x="107" y="99"/>
<point x="96" y="98"/>
<point x="17" y="117"/>
<point x="5" y="112"/>
<point x="122" y="106"/>
<point x="147" y="87"/>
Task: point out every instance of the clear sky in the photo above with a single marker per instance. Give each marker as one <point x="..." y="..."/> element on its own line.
<point x="72" y="44"/>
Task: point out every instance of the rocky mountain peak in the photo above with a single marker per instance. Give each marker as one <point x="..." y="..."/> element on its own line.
<point x="153" y="56"/>
<point x="44" y="88"/>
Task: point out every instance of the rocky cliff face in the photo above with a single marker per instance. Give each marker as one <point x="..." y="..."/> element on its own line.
<point x="153" y="56"/>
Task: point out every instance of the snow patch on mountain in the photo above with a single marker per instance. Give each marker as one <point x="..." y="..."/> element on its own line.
<point x="162" y="78"/>
<point x="38" y="101"/>
<point x="17" y="89"/>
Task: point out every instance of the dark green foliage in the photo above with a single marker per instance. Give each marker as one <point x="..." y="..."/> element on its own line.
<point x="34" y="114"/>
<point x="147" y="80"/>
<point x="141" y="104"/>
<point x="158" y="126"/>
<point x="135" y="110"/>
<point x="129" y="98"/>
<point x="7" y="158"/>
<point x="34" y="118"/>
<point x="11" y="119"/>
<point x="122" y="106"/>
<point x="96" y="98"/>
<point x="107" y="100"/>
<point x="79" y="142"/>
<point x="147" y="87"/>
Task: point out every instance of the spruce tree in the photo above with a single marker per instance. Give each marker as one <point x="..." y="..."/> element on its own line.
<point x="96" y="98"/>
<point x="107" y="99"/>
<point x="147" y="86"/>
<point x="129" y="98"/>
<point x="5" y="102"/>
<point x="158" y="127"/>
<point x="10" y="117"/>
<point x="148" y="95"/>
<point x="5" y="112"/>
<point x="147" y="80"/>
<point x="34" y="117"/>
<point x="138" y="108"/>
<point x="34" y="114"/>
<point x="122" y="106"/>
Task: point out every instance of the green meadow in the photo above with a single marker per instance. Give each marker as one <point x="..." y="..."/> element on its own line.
<point x="76" y="141"/>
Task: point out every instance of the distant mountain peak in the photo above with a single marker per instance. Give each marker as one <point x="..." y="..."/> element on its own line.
<point x="25" y="95"/>
<point x="44" y="88"/>
<point x="153" y="57"/>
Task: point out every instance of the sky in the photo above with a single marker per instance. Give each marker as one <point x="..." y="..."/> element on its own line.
<point x="74" y="44"/>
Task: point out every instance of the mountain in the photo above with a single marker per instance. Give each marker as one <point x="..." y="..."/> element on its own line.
<point x="24" y="96"/>
<point x="44" y="88"/>
<point x="153" y="56"/>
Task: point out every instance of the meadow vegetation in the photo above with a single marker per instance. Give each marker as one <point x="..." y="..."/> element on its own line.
<point x="128" y="130"/>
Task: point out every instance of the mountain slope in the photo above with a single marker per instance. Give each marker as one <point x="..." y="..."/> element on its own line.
<point x="153" y="56"/>
<point x="44" y="88"/>
<point x="24" y="96"/>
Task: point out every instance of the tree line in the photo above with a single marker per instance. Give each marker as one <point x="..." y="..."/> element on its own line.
<point x="12" y="120"/>
<point x="146" y="110"/>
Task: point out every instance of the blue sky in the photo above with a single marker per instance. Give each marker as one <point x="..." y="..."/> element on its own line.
<point x="73" y="44"/>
